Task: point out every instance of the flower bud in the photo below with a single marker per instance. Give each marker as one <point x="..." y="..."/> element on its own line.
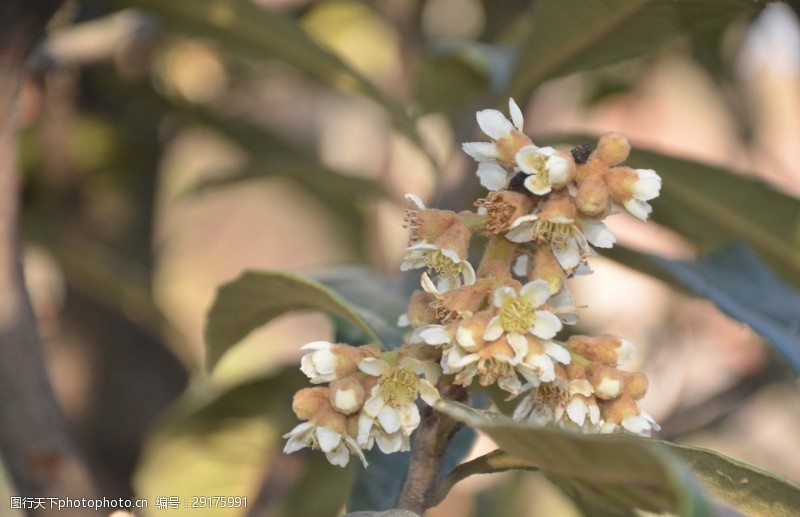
<point x="593" y="198"/>
<point x="607" y="381"/>
<point x="612" y="149"/>
<point x="347" y="395"/>
<point x="469" y="334"/>
<point x="308" y="401"/>
<point x="606" y="349"/>
<point x="419" y="309"/>
<point x="635" y="385"/>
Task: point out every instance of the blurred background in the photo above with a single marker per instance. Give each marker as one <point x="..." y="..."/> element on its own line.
<point x="169" y="148"/>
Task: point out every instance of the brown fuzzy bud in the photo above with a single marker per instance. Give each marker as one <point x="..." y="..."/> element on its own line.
<point x="456" y="238"/>
<point x="419" y="309"/>
<point x="308" y="401"/>
<point x="545" y="266"/>
<point x="347" y="395"/>
<point x="429" y="223"/>
<point x="557" y="207"/>
<point x="608" y="382"/>
<point x="612" y="149"/>
<point x="621" y="182"/>
<point x="614" y="411"/>
<point x="469" y="333"/>
<point x="593" y="197"/>
<point x="508" y="146"/>
<point x="636" y="385"/>
<point x="606" y="349"/>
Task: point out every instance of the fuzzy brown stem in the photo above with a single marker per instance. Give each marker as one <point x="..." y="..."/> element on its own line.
<point x="431" y="439"/>
<point x="34" y="441"/>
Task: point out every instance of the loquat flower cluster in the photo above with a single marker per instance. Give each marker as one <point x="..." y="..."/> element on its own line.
<point x="498" y="323"/>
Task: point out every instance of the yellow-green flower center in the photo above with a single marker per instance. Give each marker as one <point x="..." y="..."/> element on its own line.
<point x="438" y="262"/>
<point x="517" y="316"/>
<point x="399" y="386"/>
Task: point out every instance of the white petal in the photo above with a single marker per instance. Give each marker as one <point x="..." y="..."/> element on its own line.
<point x="435" y="335"/>
<point x="428" y="392"/>
<point x="428" y="286"/>
<point x="516" y="114"/>
<point x="466" y="339"/>
<point x="481" y="151"/>
<point x="373" y="366"/>
<point x="389" y="419"/>
<point x="594" y="414"/>
<point x="389" y="444"/>
<point x="536" y="292"/>
<point x="328" y="439"/>
<point x="354" y="447"/>
<point x="299" y="429"/>
<point x="457" y="361"/>
<point x="624" y="350"/>
<point x="526" y="159"/>
<point x="492" y="176"/>
<point x="522" y="409"/>
<point x="581" y="387"/>
<point x="569" y="256"/>
<point x="403" y="321"/>
<point x="317" y="345"/>
<point x="648" y="186"/>
<point x="365" y="424"/>
<point x="468" y="272"/>
<point x="520" y="346"/>
<point x="521" y="265"/>
<point x="557" y="352"/>
<point x="547" y="325"/>
<point x="415" y="200"/>
<point x="340" y="457"/>
<point x="493" y="330"/>
<point x="537" y="185"/>
<point x="598" y="234"/>
<point x="577" y="410"/>
<point x="446" y="283"/>
<point x="557" y="169"/>
<point x="409" y="417"/>
<point x="542" y="366"/>
<point x="494" y="123"/>
<point x="374" y="404"/>
<point x="638" y="208"/>
<point x="503" y="294"/>
<point x="636" y="424"/>
<point x="509" y="384"/>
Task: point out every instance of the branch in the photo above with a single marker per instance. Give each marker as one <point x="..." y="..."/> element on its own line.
<point x="496" y="461"/>
<point x="34" y="441"/>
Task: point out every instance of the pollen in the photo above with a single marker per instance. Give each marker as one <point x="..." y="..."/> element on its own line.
<point x="438" y="262"/>
<point x="399" y="386"/>
<point x="517" y="316"/>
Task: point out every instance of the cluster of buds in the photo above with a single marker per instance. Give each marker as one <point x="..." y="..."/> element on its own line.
<point x="498" y="323"/>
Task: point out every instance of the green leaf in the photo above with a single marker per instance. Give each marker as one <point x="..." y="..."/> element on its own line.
<point x="712" y="206"/>
<point x="614" y="472"/>
<point x="736" y="280"/>
<point x="224" y="442"/>
<point x="242" y="26"/>
<point x="751" y="490"/>
<point x="257" y="297"/>
<point x="565" y="36"/>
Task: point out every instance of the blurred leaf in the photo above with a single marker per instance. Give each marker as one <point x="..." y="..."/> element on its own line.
<point x="744" y="288"/>
<point x="242" y="26"/>
<point x="388" y="513"/>
<point x="222" y="442"/>
<point x="257" y="297"/>
<point x="751" y="490"/>
<point x="615" y="472"/>
<point x="565" y="36"/>
<point x="712" y="206"/>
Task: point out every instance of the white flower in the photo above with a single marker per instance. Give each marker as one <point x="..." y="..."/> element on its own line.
<point x="390" y="414"/>
<point x="539" y="364"/>
<point x="337" y="448"/>
<point x="452" y="270"/>
<point x="568" y="238"/>
<point x="494" y="124"/>
<point x="545" y="168"/>
<point x="519" y="314"/>
<point x="570" y="405"/>
<point x="645" y="188"/>
<point x="319" y="365"/>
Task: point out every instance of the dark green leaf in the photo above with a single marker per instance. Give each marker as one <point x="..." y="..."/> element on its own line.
<point x="378" y="486"/>
<point x="743" y="287"/>
<point x="565" y="36"/>
<point x="257" y="297"/>
<point x="611" y="471"/>
<point x="242" y="26"/>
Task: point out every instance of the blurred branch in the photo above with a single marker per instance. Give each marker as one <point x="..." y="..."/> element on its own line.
<point x="38" y="451"/>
